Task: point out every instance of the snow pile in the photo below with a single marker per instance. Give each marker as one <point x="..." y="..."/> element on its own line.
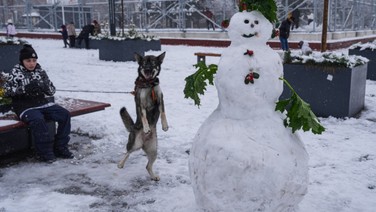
<point x="129" y="35"/>
<point x="325" y="58"/>
<point x="363" y="46"/>
<point x="5" y="41"/>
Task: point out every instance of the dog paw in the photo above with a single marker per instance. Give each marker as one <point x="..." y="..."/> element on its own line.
<point x="120" y="166"/>
<point x="164" y="124"/>
<point x="155" y="178"/>
<point x="164" y="128"/>
<point x="146" y="130"/>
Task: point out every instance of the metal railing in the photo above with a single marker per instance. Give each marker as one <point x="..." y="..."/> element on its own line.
<point x="181" y="15"/>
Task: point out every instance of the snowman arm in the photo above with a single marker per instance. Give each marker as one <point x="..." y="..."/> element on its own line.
<point x="298" y="113"/>
<point x="196" y="83"/>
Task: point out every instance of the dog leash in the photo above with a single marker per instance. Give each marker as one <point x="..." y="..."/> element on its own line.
<point x="138" y="82"/>
<point x="91" y="91"/>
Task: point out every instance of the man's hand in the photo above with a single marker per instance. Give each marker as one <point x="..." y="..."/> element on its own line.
<point x="33" y="89"/>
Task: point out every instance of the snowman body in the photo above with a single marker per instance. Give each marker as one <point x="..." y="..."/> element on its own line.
<point x="242" y="157"/>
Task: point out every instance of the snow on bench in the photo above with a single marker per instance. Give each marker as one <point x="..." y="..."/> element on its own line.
<point x="15" y="135"/>
<point x="201" y="56"/>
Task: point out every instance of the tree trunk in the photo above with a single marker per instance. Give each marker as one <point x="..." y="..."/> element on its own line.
<point x="111" y="14"/>
<point x="122" y="18"/>
<point x="324" y="26"/>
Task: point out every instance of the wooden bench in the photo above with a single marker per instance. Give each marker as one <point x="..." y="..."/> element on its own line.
<point x="15" y="135"/>
<point x="201" y="56"/>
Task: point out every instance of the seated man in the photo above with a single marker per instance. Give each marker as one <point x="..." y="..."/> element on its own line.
<point x="28" y="86"/>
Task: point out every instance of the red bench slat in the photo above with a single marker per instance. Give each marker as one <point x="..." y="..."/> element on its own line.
<point x="79" y="107"/>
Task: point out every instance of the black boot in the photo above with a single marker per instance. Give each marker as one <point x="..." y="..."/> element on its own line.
<point x="63" y="152"/>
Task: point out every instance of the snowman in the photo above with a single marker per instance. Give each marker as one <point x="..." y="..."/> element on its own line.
<point x="243" y="158"/>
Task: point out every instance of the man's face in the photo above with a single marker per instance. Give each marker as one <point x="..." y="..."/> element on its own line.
<point x="30" y="63"/>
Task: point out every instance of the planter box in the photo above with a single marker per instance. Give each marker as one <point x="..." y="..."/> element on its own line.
<point x="5" y="108"/>
<point x="120" y="50"/>
<point x="153" y="45"/>
<point x="331" y="91"/>
<point x="369" y="54"/>
<point x="93" y="44"/>
<point x="19" y="138"/>
<point x="9" y="56"/>
<point x="123" y="50"/>
<point x="14" y="140"/>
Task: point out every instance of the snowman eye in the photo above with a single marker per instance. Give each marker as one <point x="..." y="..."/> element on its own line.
<point x="256" y="22"/>
<point x="246" y="21"/>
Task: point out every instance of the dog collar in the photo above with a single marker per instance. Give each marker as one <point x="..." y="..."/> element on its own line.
<point x="143" y="83"/>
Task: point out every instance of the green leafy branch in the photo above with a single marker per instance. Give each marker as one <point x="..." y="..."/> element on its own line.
<point x="299" y="113"/>
<point x="3" y="100"/>
<point x="197" y="82"/>
<point x="267" y="7"/>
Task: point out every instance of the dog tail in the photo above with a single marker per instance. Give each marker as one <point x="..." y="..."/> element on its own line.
<point x="127" y="119"/>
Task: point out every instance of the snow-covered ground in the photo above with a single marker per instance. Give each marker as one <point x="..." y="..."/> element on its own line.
<point x="342" y="165"/>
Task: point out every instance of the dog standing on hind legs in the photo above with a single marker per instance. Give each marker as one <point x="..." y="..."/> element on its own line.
<point x="149" y="106"/>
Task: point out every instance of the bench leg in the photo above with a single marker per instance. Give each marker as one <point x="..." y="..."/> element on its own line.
<point x="201" y="59"/>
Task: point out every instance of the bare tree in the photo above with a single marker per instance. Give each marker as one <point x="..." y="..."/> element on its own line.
<point x="324" y="26"/>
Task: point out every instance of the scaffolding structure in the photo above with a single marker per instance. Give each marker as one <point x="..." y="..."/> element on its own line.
<point x="180" y="15"/>
<point x="344" y="15"/>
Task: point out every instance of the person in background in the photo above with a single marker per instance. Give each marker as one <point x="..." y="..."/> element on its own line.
<point x="310" y="18"/>
<point x="28" y="85"/>
<point x="71" y="29"/>
<point x="11" y="29"/>
<point x="210" y="16"/>
<point x="64" y="33"/>
<point x="84" y="35"/>
<point x="284" y="32"/>
<point x="296" y="15"/>
<point x="97" y="28"/>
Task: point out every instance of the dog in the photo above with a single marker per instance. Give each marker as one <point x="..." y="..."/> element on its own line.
<point x="304" y="46"/>
<point x="149" y="107"/>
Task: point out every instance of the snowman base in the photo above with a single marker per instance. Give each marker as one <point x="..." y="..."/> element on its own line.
<point x="235" y="171"/>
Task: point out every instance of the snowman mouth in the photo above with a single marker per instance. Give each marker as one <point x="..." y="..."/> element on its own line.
<point x="249" y="35"/>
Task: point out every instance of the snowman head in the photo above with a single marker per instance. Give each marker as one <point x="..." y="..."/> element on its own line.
<point x="249" y="27"/>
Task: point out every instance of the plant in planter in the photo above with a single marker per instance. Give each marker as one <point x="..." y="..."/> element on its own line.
<point x="367" y="50"/>
<point x="332" y="83"/>
<point x="9" y="51"/>
<point x="123" y="46"/>
<point x="5" y="102"/>
<point x="9" y="56"/>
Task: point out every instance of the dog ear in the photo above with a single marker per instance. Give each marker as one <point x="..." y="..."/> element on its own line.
<point x="161" y="57"/>
<point x="138" y="57"/>
<point x="300" y="44"/>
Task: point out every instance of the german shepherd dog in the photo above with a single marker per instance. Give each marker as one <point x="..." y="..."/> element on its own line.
<point x="149" y="106"/>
